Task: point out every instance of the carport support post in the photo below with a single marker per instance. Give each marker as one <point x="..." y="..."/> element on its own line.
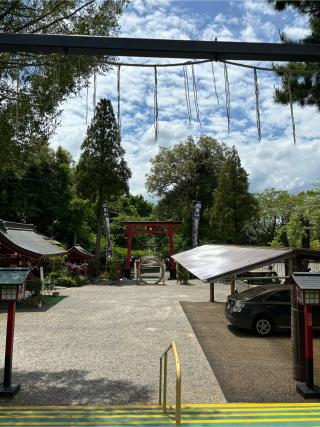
<point x="233" y="285"/>
<point x="211" y="291"/>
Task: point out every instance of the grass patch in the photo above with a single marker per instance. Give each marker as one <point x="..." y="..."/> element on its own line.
<point x="50" y="300"/>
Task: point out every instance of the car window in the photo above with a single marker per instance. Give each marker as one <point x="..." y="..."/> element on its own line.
<point x="250" y="293"/>
<point x="280" y="296"/>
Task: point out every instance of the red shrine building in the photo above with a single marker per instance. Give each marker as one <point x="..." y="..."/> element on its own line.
<point x="78" y="255"/>
<point x="21" y="245"/>
<point x="77" y="258"/>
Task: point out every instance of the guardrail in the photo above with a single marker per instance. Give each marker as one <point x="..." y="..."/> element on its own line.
<point x="163" y="376"/>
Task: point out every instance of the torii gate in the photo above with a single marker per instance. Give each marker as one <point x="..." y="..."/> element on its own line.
<point x="138" y="228"/>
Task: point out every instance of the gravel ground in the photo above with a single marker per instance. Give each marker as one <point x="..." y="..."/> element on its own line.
<point x="101" y="345"/>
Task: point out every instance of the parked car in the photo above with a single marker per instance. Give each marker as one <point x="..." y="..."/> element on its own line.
<point x="256" y="277"/>
<point x="263" y="309"/>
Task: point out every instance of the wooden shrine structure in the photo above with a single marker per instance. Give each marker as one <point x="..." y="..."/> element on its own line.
<point x="21" y="245"/>
<point x="139" y="228"/>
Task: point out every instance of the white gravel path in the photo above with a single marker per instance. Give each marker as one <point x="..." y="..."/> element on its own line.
<point x="101" y="345"/>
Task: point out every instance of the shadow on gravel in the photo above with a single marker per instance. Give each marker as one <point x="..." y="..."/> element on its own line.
<point x="74" y="387"/>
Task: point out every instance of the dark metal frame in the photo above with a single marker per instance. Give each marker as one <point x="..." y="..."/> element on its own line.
<point x="191" y="49"/>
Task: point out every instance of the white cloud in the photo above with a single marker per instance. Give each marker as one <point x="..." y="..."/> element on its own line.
<point x="258" y="7"/>
<point x="273" y="162"/>
<point x="296" y="33"/>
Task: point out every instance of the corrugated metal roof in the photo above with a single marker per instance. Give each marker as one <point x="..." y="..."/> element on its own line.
<point x="212" y="262"/>
<point x="307" y="280"/>
<point x="13" y="276"/>
<point x="25" y="238"/>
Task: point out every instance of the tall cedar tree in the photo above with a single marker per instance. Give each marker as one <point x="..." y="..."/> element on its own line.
<point x="233" y="205"/>
<point x="305" y="87"/>
<point x="102" y="171"/>
<point x="32" y="87"/>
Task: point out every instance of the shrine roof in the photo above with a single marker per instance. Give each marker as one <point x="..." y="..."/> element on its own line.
<point x="13" y="276"/>
<point x="81" y="250"/>
<point x="24" y="239"/>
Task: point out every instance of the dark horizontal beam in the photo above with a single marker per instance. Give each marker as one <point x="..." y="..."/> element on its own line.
<point x="191" y="49"/>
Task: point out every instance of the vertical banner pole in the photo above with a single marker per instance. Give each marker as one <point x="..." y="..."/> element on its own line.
<point x="171" y="252"/>
<point x="107" y="228"/>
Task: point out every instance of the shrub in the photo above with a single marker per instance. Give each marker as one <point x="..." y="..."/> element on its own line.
<point x="66" y="281"/>
<point x="80" y="280"/>
<point x="104" y="275"/>
<point x="114" y="268"/>
<point x="34" y="287"/>
<point x="59" y="263"/>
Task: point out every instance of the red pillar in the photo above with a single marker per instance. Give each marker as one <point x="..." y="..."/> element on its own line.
<point x="128" y="268"/>
<point x="7" y="389"/>
<point x="308" y="389"/>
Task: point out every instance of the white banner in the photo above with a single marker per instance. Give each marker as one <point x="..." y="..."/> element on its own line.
<point x="107" y="227"/>
<point x="195" y="224"/>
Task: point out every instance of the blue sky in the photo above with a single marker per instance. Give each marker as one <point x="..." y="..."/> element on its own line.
<point x="274" y="162"/>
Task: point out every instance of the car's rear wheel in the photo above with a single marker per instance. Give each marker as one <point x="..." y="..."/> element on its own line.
<point x="263" y="326"/>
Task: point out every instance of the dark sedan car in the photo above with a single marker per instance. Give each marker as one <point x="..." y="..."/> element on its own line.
<point x="262" y="309"/>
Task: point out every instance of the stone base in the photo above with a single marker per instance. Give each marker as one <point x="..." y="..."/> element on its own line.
<point x="9" y="391"/>
<point x="307" y="392"/>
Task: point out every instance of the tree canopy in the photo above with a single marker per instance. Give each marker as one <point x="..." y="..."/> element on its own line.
<point x="33" y="86"/>
<point x="305" y="85"/>
<point x="233" y="205"/>
<point x="185" y="172"/>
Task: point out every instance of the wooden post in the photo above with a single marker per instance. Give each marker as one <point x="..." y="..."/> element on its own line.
<point x="233" y="285"/>
<point x="212" y="292"/>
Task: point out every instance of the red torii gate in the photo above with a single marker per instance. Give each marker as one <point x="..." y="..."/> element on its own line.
<point x="136" y="228"/>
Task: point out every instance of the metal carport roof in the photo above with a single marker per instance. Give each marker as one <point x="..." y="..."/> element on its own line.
<point x="212" y="262"/>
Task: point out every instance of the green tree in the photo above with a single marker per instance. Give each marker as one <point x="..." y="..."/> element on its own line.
<point x="185" y="172"/>
<point x="305" y="85"/>
<point x="182" y="174"/>
<point x="233" y="205"/>
<point x="32" y="87"/>
<point x="41" y="193"/>
<point x="102" y="172"/>
<point x="274" y="210"/>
